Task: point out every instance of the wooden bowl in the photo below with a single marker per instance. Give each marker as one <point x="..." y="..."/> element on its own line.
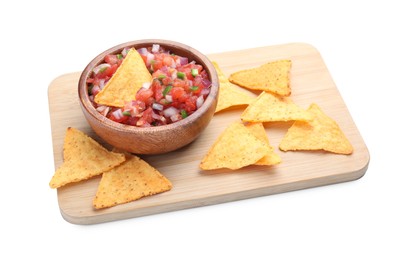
<point x="155" y="139"/>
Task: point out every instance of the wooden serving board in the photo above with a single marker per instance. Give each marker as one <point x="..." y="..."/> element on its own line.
<point x="192" y="187"/>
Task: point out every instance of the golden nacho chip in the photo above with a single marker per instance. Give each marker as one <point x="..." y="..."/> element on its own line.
<point x="128" y="182"/>
<point x="322" y="133"/>
<point x="272" y="77"/>
<point x="235" y="148"/>
<point x="126" y="81"/>
<point x="269" y="107"/>
<point x="83" y="159"/>
<point x="229" y="94"/>
<point x="258" y="130"/>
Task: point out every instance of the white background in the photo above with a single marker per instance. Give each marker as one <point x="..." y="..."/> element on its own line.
<point x="371" y="52"/>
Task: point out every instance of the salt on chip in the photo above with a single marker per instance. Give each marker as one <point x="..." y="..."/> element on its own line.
<point x="130" y="181"/>
<point x="83" y="159"/>
<point x="235" y="148"/>
<point x="273" y="77"/>
<point x="269" y="107"/>
<point x="229" y="94"/>
<point x="270" y="158"/>
<point x="322" y="133"/>
<point x="125" y="83"/>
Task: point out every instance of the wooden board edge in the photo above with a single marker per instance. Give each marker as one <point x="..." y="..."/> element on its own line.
<point x="220" y="199"/>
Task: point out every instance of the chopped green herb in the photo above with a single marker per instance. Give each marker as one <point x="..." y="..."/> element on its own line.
<point x="194" y="88"/>
<point x="103" y="69"/>
<point x="167" y="89"/>
<point x="126" y="113"/>
<point x="183" y="113"/>
<point x="161" y="76"/>
<point x="119" y="56"/>
<point x="195" y="72"/>
<point x="180" y="75"/>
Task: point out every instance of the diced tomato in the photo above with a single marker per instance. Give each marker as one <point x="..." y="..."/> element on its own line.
<point x="144" y="57"/>
<point x="132" y="120"/>
<point x="178" y="94"/>
<point x="157" y="89"/>
<point x="147" y="115"/>
<point x="144" y="95"/>
<point x="168" y="61"/>
<point x="110" y="71"/>
<point x="167" y="81"/>
<point x="111" y="59"/>
<point x="181" y="83"/>
<point x="156" y="65"/>
<point x="120" y="118"/>
<point x="190" y="104"/>
<point x="134" y="107"/>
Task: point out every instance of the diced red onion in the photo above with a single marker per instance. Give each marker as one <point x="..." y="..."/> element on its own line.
<point x="175" y="118"/>
<point x="155" y="48"/>
<point x="125" y="52"/>
<point x="95" y="90"/>
<point x="101" y="83"/>
<point x="117" y="114"/>
<point x="146" y="85"/>
<point x="143" y="51"/>
<point x="150" y="57"/>
<point x="169" y="98"/>
<point x="155" y="116"/>
<point x="171" y="111"/>
<point x="183" y="61"/>
<point x="157" y="106"/>
<point x="103" y="110"/>
<point x="205" y="91"/>
<point x="164" y="69"/>
<point x="206" y="83"/>
<point x="98" y="68"/>
<point x="199" y="101"/>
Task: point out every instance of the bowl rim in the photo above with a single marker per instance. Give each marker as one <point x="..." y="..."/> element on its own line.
<point x="168" y="44"/>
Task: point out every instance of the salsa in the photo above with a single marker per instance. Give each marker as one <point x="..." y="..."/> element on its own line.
<point x="178" y="88"/>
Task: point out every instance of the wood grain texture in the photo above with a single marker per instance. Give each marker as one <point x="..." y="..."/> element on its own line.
<point x="310" y="82"/>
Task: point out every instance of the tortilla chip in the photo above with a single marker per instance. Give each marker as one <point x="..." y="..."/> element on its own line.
<point x="128" y="182"/>
<point x="322" y="133"/>
<point x="229" y="94"/>
<point x="126" y="81"/>
<point x="258" y="130"/>
<point x="269" y="107"/>
<point x="235" y="148"/>
<point x="272" y="77"/>
<point x="83" y="159"/>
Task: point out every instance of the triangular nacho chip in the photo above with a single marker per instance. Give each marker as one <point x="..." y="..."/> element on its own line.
<point x="235" y="148"/>
<point x="129" y="181"/>
<point x="83" y="159"/>
<point x="229" y="94"/>
<point x="269" y="107"/>
<point x="258" y="130"/>
<point x="126" y="81"/>
<point x="322" y="133"/>
<point x="272" y="77"/>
